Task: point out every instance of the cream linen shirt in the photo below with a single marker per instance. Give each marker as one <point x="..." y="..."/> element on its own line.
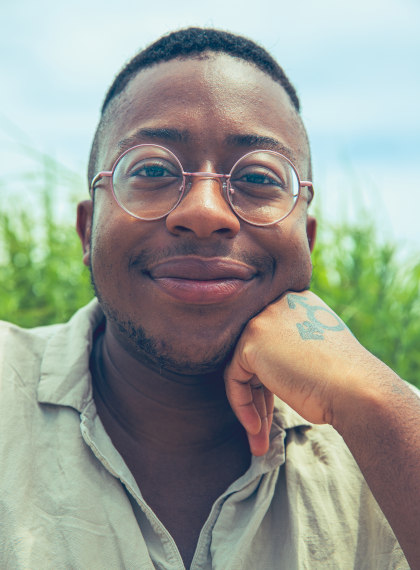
<point x="68" y="501"/>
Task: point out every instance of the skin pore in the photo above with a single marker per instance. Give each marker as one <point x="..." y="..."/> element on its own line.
<point x="158" y="366"/>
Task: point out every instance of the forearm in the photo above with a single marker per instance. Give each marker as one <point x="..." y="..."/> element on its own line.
<point x="382" y="430"/>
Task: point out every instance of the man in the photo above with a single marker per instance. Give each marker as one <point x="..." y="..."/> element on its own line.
<point x="142" y="433"/>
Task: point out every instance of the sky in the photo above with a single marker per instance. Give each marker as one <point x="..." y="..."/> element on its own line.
<point x="355" y="66"/>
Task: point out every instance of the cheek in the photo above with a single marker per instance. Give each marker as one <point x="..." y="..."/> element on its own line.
<point x="288" y="245"/>
<point x="108" y="232"/>
<point x="300" y="258"/>
<point x="301" y="272"/>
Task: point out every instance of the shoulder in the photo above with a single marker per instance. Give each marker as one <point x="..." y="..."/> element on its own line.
<point x="14" y="336"/>
<point x="22" y="351"/>
<point x="332" y="504"/>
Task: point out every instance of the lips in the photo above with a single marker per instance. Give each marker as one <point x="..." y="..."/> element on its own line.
<point x="202" y="269"/>
<point x="201" y="281"/>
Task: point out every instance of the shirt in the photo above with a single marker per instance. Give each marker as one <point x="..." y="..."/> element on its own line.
<point x="68" y="500"/>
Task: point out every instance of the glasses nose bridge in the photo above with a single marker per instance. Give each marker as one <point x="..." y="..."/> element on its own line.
<point x="210" y="175"/>
<point x="222" y="179"/>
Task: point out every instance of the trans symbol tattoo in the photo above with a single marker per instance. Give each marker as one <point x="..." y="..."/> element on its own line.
<point x="313" y="329"/>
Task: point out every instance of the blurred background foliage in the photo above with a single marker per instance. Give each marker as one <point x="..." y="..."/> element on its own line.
<point x="366" y="281"/>
<point x="42" y="277"/>
<point x="375" y="291"/>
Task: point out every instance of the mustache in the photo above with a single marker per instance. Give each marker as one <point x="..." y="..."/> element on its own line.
<point x="147" y="257"/>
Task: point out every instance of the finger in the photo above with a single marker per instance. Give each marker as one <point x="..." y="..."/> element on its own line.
<point x="260" y="442"/>
<point x="270" y="408"/>
<point x="263" y="401"/>
<point x="235" y="370"/>
<point x="252" y="404"/>
<point x="259" y="397"/>
<point x="241" y="399"/>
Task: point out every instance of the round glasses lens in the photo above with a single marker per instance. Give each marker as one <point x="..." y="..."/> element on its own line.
<point x="148" y="181"/>
<point x="264" y="187"/>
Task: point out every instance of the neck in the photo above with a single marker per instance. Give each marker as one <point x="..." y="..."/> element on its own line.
<point x="174" y="413"/>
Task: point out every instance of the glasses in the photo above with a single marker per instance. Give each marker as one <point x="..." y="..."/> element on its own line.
<point x="148" y="182"/>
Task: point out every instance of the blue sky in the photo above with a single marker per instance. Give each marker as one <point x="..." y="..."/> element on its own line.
<point x="355" y="65"/>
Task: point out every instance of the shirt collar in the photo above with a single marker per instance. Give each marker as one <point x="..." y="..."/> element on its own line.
<point x="65" y="377"/>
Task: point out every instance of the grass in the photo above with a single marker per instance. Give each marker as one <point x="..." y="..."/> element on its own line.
<point x="375" y="293"/>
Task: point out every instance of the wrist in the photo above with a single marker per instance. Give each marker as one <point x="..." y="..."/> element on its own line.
<point x="371" y="392"/>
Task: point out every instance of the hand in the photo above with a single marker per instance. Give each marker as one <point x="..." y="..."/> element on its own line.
<point x="298" y="349"/>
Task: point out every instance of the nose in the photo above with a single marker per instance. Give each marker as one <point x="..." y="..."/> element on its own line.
<point x="203" y="210"/>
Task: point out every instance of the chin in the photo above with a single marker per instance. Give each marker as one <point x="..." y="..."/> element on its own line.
<point x="173" y="357"/>
<point x="195" y="357"/>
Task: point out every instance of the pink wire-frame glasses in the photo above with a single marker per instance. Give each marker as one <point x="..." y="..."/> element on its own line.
<point x="224" y="178"/>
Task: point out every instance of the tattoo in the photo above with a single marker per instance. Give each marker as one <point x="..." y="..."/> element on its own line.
<point x="313" y="329"/>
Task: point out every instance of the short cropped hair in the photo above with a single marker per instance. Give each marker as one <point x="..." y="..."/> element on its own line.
<point x="189" y="43"/>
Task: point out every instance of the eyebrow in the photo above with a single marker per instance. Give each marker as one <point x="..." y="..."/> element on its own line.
<point x="164" y="134"/>
<point x="263" y="142"/>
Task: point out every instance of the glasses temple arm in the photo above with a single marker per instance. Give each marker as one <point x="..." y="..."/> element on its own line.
<point x="310" y="186"/>
<point x="97" y="177"/>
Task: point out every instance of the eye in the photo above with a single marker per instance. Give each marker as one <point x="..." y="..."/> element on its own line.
<point x="259" y="177"/>
<point x="153" y="169"/>
<point x="259" y="181"/>
<point x="153" y="173"/>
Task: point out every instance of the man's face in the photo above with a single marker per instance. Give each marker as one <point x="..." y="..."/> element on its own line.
<point x="178" y="291"/>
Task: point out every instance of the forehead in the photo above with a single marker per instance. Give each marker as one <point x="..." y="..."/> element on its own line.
<point x="209" y="104"/>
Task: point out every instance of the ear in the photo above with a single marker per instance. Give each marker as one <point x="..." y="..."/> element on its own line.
<point x="311" y="231"/>
<point x="84" y="227"/>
